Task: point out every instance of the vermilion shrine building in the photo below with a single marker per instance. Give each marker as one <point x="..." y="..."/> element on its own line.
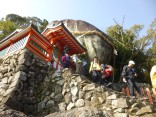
<point x="47" y="46"/>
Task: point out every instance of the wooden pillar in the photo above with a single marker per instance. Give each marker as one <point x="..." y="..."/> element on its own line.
<point x="124" y="90"/>
<point x="59" y="56"/>
<point x="127" y="91"/>
<point x="49" y="57"/>
<point x="29" y="38"/>
<point x="143" y="92"/>
<point x="149" y="95"/>
<point x="154" y="92"/>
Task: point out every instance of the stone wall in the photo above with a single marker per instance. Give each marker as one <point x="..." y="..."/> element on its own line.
<point x="28" y="84"/>
<point x="92" y="100"/>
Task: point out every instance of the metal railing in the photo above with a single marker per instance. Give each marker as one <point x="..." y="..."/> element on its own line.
<point x="17" y="45"/>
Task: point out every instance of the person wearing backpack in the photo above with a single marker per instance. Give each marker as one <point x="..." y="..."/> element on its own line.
<point x="106" y="72"/>
<point x="84" y="67"/>
<point x="78" y="63"/>
<point x="65" y="61"/>
<point x="95" y="69"/>
<point x="129" y="75"/>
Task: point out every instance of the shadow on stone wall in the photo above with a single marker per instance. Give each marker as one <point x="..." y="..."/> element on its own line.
<point x="29" y="85"/>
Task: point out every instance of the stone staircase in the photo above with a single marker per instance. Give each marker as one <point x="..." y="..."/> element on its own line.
<point x="81" y="94"/>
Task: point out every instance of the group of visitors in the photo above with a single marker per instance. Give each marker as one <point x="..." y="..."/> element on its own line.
<point x="102" y="73"/>
<point x="99" y="73"/>
<point x="75" y="62"/>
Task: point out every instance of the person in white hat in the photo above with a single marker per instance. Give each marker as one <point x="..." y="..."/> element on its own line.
<point x="129" y="75"/>
<point x="131" y="63"/>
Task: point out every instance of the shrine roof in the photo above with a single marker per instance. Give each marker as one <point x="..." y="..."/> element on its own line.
<point x="63" y="36"/>
<point x="18" y="33"/>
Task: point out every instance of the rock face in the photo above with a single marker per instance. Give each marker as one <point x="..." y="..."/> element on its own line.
<point x="5" y="111"/>
<point x="95" y="41"/>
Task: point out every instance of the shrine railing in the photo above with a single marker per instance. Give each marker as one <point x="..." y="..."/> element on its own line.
<point x="14" y="46"/>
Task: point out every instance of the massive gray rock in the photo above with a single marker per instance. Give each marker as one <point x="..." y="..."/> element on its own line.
<point x="94" y="40"/>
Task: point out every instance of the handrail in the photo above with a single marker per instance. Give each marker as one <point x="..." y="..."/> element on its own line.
<point x="59" y="67"/>
<point x="148" y="92"/>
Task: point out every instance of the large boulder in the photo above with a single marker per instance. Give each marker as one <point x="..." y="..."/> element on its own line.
<point x="94" y="40"/>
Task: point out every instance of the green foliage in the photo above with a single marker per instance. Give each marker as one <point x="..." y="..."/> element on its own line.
<point x="6" y="27"/>
<point x="13" y="21"/>
<point x="23" y="22"/>
<point x="129" y="47"/>
<point x="20" y="22"/>
<point x="44" y="23"/>
<point x="151" y="32"/>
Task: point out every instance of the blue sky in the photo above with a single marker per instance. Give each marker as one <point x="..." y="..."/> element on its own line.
<point x="100" y="13"/>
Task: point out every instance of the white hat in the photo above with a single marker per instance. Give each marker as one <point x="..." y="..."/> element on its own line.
<point x="132" y="62"/>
